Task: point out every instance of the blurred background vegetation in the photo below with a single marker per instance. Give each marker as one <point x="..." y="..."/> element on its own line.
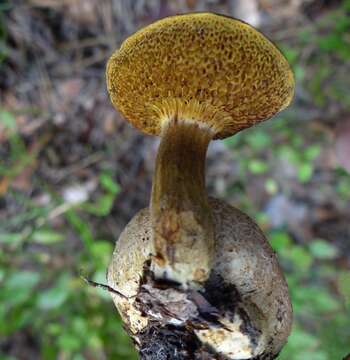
<point x="73" y="172"/>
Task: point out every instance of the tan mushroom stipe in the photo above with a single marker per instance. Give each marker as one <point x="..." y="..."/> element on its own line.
<point x="201" y="67"/>
<point x="195" y="268"/>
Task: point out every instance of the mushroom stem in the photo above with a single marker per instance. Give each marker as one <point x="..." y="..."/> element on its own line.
<point x="181" y="217"/>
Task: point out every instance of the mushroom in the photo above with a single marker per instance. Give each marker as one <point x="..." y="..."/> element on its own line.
<point x="194" y="277"/>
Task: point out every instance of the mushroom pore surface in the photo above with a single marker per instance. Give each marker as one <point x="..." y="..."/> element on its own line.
<point x="246" y="294"/>
<point x="205" y="67"/>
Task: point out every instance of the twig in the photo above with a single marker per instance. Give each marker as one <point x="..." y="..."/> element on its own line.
<point x="84" y="163"/>
<point x="103" y="287"/>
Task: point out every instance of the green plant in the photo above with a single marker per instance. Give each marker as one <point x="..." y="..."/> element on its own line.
<point x="321" y="325"/>
<point x="42" y="289"/>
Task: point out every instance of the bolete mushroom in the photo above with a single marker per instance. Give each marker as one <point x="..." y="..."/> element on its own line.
<point x="194" y="277"/>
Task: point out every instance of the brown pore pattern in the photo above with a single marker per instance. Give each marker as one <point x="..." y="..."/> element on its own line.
<point x="201" y="67"/>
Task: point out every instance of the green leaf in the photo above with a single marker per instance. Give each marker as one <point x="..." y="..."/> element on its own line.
<point x="102" y="207"/>
<point x="8" y="120"/>
<point x="344" y="285"/>
<point x="56" y="296"/>
<point x="300" y="258"/>
<point x="299" y="73"/>
<point x="342" y="24"/>
<point x="258" y="140"/>
<point x="311" y="355"/>
<point x="303" y="340"/>
<point x="257" y="166"/>
<point x="290" y="53"/>
<point x="81" y="227"/>
<point x="52" y="298"/>
<point x="69" y="342"/>
<point x="101" y="252"/>
<point x="22" y="279"/>
<point x="79" y="325"/>
<point x="337" y="41"/>
<point x="333" y="41"/>
<point x="305" y="172"/>
<point x="343" y="186"/>
<point x="324" y="302"/>
<point x="54" y="328"/>
<point x="11" y="239"/>
<point x="296" y="141"/>
<point x="78" y="357"/>
<point x="287" y="153"/>
<point x="314" y="300"/>
<point x="322" y="249"/>
<point x="6" y="357"/>
<point x="101" y="248"/>
<point x="104" y="204"/>
<point x="18" y="288"/>
<point x="346" y="5"/>
<point x="109" y="184"/>
<point x="301" y="345"/>
<point x="271" y="186"/>
<point x="312" y="152"/>
<point x="280" y="240"/>
<point x="46" y="236"/>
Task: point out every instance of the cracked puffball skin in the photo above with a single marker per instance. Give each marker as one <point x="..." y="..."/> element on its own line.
<point x="198" y="277"/>
<point x="243" y="309"/>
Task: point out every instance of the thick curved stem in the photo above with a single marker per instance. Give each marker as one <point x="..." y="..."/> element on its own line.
<point x="181" y="217"/>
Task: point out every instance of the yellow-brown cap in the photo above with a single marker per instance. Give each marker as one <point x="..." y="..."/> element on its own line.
<point x="200" y="67"/>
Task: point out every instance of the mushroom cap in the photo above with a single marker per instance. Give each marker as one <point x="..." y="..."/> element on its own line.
<point x="200" y="67"/>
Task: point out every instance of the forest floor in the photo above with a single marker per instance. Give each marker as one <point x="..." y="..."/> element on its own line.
<point x="73" y="172"/>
